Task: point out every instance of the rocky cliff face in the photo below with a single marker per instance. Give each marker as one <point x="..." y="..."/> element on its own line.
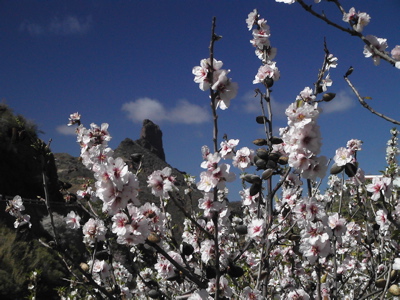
<point x="150" y="147"/>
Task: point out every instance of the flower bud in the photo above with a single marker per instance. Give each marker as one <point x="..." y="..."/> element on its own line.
<point x="235" y="271"/>
<point x="267" y="174"/>
<point x="262" y="153"/>
<point x="260" y="142"/>
<point x="350" y="169"/>
<point x="335" y="169"/>
<point x="283" y="160"/>
<point x="274" y="156"/>
<point x="261" y="164"/>
<point x="84" y="266"/>
<point x="328" y="97"/>
<point x="187" y="249"/>
<point x="394" y="290"/>
<point x="380" y="283"/>
<point x="262" y="119"/>
<point x="251" y="178"/>
<point x="154" y="238"/>
<point x="276" y="140"/>
<point x="255" y="189"/>
<point x="153" y="294"/>
<point x="241" y="229"/>
<point x="269" y="82"/>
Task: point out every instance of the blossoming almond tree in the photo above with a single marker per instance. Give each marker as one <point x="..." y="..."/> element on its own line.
<point x="290" y="240"/>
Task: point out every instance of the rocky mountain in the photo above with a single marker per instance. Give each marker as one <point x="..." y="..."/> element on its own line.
<point x="150" y="147"/>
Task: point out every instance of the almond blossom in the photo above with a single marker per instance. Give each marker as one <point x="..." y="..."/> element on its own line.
<point x="377" y="43"/>
<point x="357" y="20"/>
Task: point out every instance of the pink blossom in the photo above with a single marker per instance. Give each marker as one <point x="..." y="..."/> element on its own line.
<point x="379" y="44"/>
<point x="298" y="294"/>
<point x="343" y="156"/>
<point x="250" y="294"/>
<point x="357" y="20"/>
<point x="93" y="229"/>
<point x="161" y="182"/>
<point x="72" y="220"/>
<point x="119" y="222"/>
<point x="243" y="158"/>
<point x="252" y="19"/>
<point x="226" y="89"/>
<point x="337" y="224"/>
<point x="268" y="70"/>
<point x="316" y="250"/>
<point x="255" y="230"/>
<point x="378" y="185"/>
<point x="227" y="148"/>
<point x="396" y="52"/>
<point x="201" y="72"/>
<point x="74" y="118"/>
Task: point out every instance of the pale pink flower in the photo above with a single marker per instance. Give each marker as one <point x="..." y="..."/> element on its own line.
<point x="74" y="118"/>
<point x="332" y="62"/>
<point x="325" y="83"/>
<point x="378" y="185"/>
<point x="268" y="70"/>
<point x="379" y="44"/>
<point x="250" y="294"/>
<point x="93" y="229"/>
<point x="396" y="264"/>
<point x="199" y="295"/>
<point x="227" y="148"/>
<point x="224" y="288"/>
<point x="396" y="52"/>
<point x="354" y="145"/>
<point x="337" y="224"/>
<point x="357" y="20"/>
<point x="207" y="181"/>
<point x="162" y="182"/>
<point x="201" y="72"/>
<point x="298" y="294"/>
<point x="72" y="219"/>
<point x="252" y="19"/>
<point x="307" y="95"/>
<point x="343" y="156"/>
<point x="300" y="114"/>
<point x="314" y="251"/>
<point x="255" y="230"/>
<point x="208" y="204"/>
<point x="226" y="89"/>
<point x="243" y="158"/>
<point x="382" y="220"/>
<point x="119" y="222"/>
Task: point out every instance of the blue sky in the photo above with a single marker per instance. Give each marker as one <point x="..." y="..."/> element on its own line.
<point x="122" y="61"/>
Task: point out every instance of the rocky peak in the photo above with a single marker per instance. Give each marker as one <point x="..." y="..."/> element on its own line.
<point x="151" y="138"/>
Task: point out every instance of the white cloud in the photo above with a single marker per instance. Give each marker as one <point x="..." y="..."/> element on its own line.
<point x="68" y="25"/>
<point x="66" y="130"/>
<point x="184" y="112"/>
<point x="343" y="101"/>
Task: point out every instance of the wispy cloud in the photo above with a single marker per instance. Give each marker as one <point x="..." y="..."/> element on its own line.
<point x="66" y="130"/>
<point x="184" y="112"/>
<point x="68" y="25"/>
<point x="343" y="101"/>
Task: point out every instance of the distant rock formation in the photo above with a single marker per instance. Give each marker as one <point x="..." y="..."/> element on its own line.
<point x="151" y="138"/>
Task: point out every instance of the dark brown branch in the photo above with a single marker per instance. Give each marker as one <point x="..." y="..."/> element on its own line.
<point x="363" y="103"/>
<point x="352" y="32"/>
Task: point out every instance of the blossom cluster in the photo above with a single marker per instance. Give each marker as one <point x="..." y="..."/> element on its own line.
<point x="268" y="72"/>
<point x="209" y="75"/>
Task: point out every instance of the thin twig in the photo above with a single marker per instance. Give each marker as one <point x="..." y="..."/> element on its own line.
<point x="363" y="103"/>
